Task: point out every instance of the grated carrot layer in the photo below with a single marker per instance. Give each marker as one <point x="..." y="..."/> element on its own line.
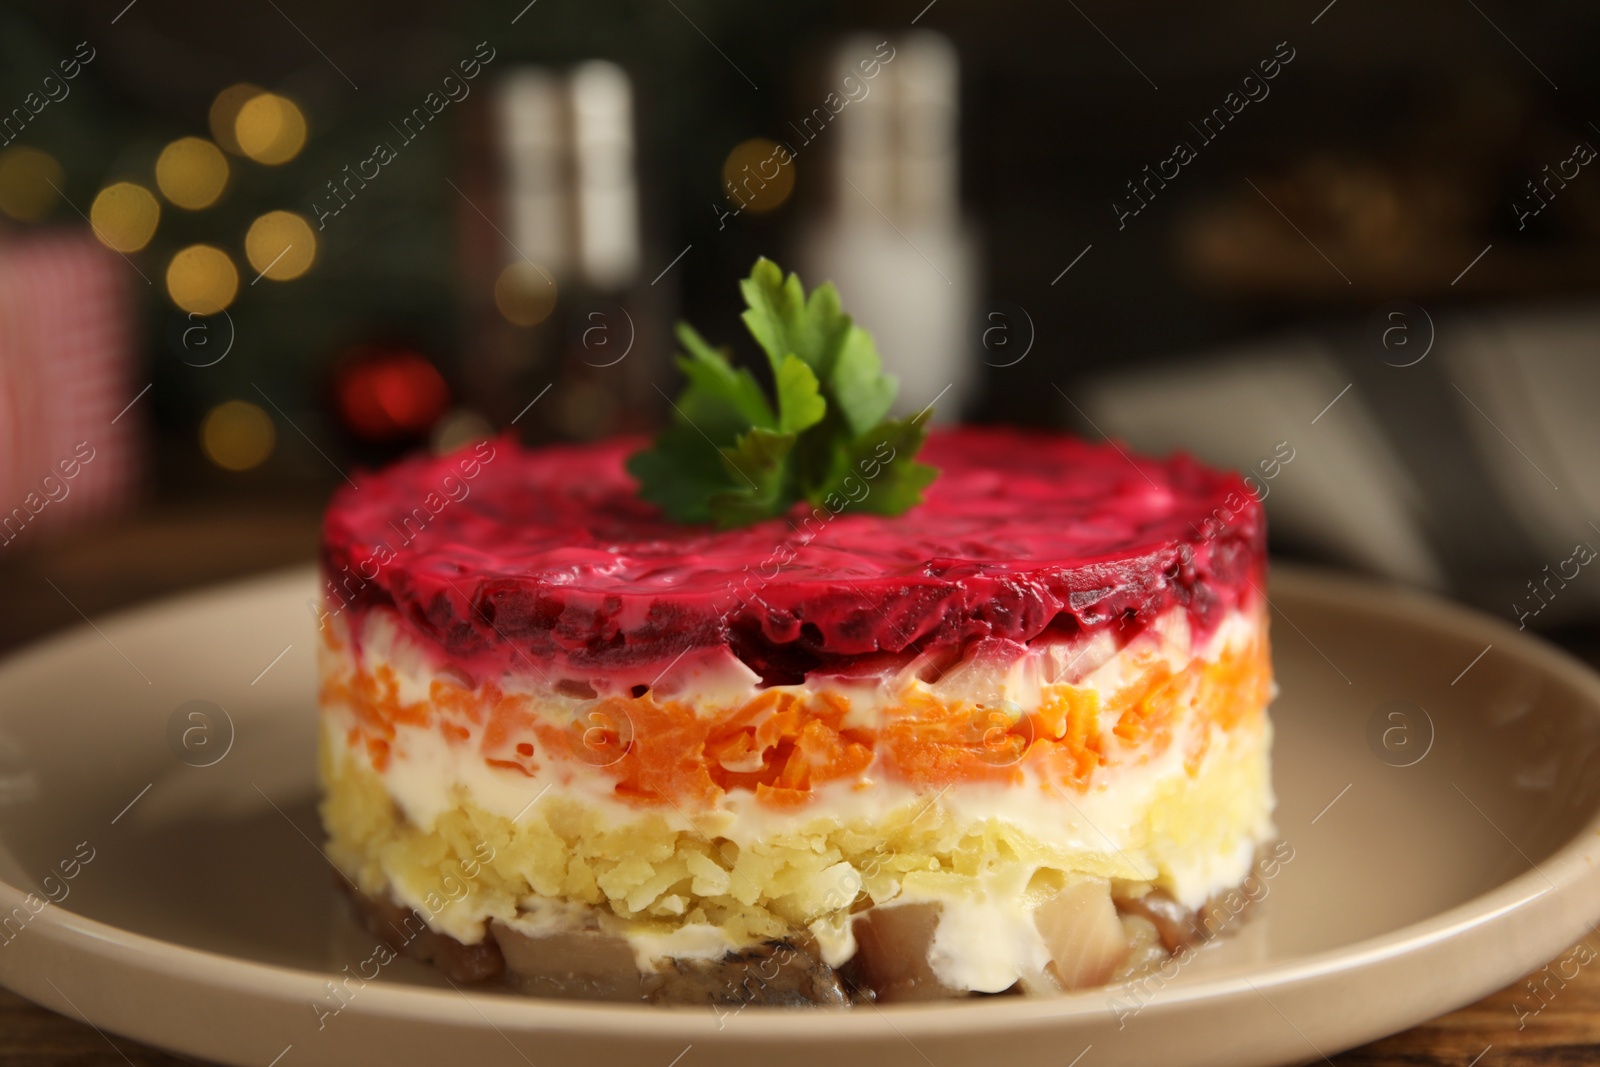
<point x="783" y="744"/>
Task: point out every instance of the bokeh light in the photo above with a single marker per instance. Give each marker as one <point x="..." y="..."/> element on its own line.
<point x="202" y="279"/>
<point x="124" y="216"/>
<point x="461" y="426"/>
<point x="525" y="294"/>
<point x="237" y="435"/>
<point x="225" y="112"/>
<point x="587" y="411"/>
<point x="758" y="175"/>
<point x="280" y="245"/>
<point x="28" y="182"/>
<point x="191" y="172"/>
<point x="270" y="129"/>
<point x="390" y="394"/>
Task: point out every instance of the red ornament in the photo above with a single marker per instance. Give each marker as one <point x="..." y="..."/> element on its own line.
<point x="389" y="394"/>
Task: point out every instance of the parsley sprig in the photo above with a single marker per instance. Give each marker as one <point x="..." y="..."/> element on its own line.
<point x="733" y="456"/>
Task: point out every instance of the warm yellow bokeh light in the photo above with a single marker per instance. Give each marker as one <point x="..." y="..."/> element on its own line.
<point x="525" y="294"/>
<point x="270" y="129"/>
<point x="28" y="182"/>
<point x="124" y="216"/>
<point x="280" y="245"/>
<point x="237" y="435"/>
<point x="202" y="279"/>
<point x="758" y="175"/>
<point x="225" y="112"/>
<point x="191" y="172"/>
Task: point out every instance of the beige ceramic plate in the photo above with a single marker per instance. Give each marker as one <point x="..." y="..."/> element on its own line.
<point x="1440" y="802"/>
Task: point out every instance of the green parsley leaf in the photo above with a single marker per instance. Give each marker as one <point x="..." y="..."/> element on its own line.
<point x="758" y="463"/>
<point x="882" y="458"/>
<point x="723" y="393"/>
<point x="681" y="473"/>
<point x="863" y="392"/>
<point x="732" y="456"/>
<point x="784" y="322"/>
<point x="800" y="400"/>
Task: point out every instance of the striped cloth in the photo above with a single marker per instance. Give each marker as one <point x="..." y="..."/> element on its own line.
<point x="66" y="375"/>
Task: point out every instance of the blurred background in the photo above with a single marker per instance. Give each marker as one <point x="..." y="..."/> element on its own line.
<point x="248" y="250"/>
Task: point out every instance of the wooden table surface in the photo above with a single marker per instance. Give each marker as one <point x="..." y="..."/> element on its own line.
<point x="161" y="553"/>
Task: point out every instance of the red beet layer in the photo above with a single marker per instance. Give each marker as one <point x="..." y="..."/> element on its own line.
<point x="508" y="555"/>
